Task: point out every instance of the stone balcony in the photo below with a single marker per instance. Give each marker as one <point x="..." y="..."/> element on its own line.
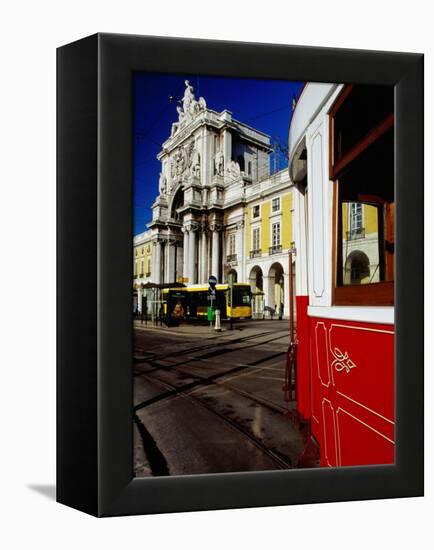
<point x="231" y="260"/>
<point x="276" y="249"/>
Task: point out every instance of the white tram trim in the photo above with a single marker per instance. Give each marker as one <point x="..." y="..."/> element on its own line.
<point x="366" y="314"/>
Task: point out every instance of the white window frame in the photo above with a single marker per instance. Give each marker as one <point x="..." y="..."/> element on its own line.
<point x="258" y="206"/>
<point x="258" y="231"/>
<point x="279" y="232"/>
<point x="275" y="210"/>
<point x="232" y="244"/>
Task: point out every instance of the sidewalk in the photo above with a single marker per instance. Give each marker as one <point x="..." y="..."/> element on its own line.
<point x="205" y="330"/>
<point x="188" y="328"/>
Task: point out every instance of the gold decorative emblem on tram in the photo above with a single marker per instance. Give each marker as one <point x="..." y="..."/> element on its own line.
<point x="342" y="361"/>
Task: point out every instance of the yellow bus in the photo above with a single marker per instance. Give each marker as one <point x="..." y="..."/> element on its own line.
<point x="193" y="302"/>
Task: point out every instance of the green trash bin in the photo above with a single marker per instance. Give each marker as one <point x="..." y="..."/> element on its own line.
<point x="211" y="314"/>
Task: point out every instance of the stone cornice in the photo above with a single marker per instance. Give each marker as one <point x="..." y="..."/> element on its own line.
<point x="265" y="193"/>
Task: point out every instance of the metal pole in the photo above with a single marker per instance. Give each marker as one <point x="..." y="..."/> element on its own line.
<point x="232" y="302"/>
<point x="291" y="300"/>
<point x="212" y="309"/>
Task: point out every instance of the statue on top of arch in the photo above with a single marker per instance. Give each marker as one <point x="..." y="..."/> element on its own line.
<point x="190" y="108"/>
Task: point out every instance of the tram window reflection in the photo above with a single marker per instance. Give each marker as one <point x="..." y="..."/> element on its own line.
<point x="364" y="185"/>
<point x="360" y="244"/>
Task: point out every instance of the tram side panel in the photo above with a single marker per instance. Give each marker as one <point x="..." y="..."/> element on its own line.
<point x="352" y="405"/>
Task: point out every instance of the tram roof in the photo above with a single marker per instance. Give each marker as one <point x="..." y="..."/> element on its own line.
<point x="312" y="98"/>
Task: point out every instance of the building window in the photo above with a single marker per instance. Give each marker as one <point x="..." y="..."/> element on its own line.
<point x="275" y="234"/>
<point x="275" y="239"/>
<point x="137" y="252"/>
<point x="362" y="169"/>
<point x="249" y="168"/>
<point x="135" y="268"/>
<point x="143" y="250"/>
<point x="148" y="270"/>
<point x="232" y="255"/>
<point x="231" y="250"/>
<point x="141" y="268"/>
<point x="355" y="227"/>
<point x="275" y="204"/>
<point x="256" y="211"/>
<point x="256" y="238"/>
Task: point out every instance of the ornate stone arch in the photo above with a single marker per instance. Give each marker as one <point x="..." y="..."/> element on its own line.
<point x="176" y="201"/>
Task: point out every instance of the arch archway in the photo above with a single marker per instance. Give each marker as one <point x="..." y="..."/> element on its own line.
<point x="257" y="285"/>
<point x="275" y="298"/>
<point x="232" y="276"/>
<point x="357" y="268"/>
<point x="177" y="202"/>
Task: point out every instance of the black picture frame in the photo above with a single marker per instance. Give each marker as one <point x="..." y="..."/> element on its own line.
<point x="94" y="247"/>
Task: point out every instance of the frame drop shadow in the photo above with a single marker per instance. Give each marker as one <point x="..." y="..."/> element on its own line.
<point x="48" y="491"/>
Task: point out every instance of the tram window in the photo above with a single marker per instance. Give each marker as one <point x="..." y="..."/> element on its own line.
<point x="362" y="109"/>
<point x="365" y="203"/>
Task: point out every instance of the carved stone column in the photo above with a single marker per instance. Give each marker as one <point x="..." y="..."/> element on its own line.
<point x="203" y="256"/>
<point x="215" y="265"/>
<point x="227" y="147"/>
<point x="170" y="261"/>
<point x="192" y="255"/>
<point x="139" y="299"/>
<point x="268" y="289"/>
<point x="241" y="256"/>
<point x="158" y="258"/>
<point x="185" y="272"/>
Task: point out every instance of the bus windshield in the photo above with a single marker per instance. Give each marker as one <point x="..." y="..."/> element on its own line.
<point x="241" y="296"/>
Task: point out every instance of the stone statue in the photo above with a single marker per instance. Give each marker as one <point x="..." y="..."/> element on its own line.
<point x="188" y="96"/>
<point x="180" y="162"/>
<point x="219" y="163"/>
<point x="181" y="119"/>
<point x="195" y="164"/>
<point x="234" y="169"/>
<point x="162" y="184"/>
<point x="189" y="110"/>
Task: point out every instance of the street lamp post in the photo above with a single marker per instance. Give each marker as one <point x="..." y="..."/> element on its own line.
<point x="231" y="294"/>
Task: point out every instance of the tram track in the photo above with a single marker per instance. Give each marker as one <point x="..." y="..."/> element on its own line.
<point x="153" y="356"/>
<point x="213" y="380"/>
<point x="280" y="462"/>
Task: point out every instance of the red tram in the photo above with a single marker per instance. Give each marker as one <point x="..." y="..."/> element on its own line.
<point x="341" y="160"/>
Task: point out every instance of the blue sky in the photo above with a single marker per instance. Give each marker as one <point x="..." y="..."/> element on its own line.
<point x="264" y="104"/>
